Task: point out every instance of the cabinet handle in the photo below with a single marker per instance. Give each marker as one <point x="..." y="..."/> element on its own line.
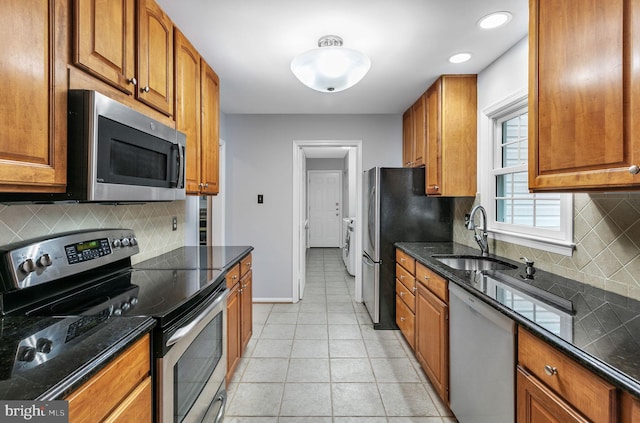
<point x="401" y="259"/>
<point x="132" y="81"/>
<point x="550" y="370"/>
<point x="145" y="89"/>
<point x="240" y="291"/>
<point x="206" y="185"/>
<point x="234" y="277"/>
<point x="415" y="288"/>
<point x="401" y="277"/>
<point x="634" y="169"/>
<point x="402" y="319"/>
<point x="426" y="278"/>
<point x="435" y="187"/>
<point x="401" y="293"/>
<point x="249" y="264"/>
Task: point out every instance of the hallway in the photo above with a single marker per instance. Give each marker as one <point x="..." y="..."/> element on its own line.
<point x="321" y="361"/>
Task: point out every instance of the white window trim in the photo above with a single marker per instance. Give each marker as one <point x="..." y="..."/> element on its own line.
<point x="562" y="242"/>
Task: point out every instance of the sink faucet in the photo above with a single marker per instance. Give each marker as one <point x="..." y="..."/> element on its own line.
<point x="482" y="238"/>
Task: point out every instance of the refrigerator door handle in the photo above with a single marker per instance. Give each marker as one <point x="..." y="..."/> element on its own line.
<point x="369" y="260"/>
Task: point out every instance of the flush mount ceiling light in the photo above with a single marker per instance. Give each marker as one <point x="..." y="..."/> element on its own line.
<point x="330" y="67"/>
<point x="494" y="20"/>
<point x="460" y="57"/>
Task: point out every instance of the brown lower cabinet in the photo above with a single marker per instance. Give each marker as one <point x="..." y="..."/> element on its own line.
<point x="239" y="313"/>
<point x="121" y="392"/>
<point x="553" y="387"/>
<point x="432" y="337"/>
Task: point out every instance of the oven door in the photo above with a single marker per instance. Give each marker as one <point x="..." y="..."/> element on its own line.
<point x="191" y="374"/>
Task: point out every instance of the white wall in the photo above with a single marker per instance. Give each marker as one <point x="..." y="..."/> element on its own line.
<point x="507" y="75"/>
<point x="260" y="161"/>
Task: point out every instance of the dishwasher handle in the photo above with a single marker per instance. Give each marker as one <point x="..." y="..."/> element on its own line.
<point x="482" y="308"/>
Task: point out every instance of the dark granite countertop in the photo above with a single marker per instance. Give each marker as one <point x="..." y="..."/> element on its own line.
<point x="55" y="378"/>
<point x="599" y="329"/>
<point x="203" y="257"/>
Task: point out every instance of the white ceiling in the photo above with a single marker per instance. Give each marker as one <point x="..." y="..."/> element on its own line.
<point x="250" y="45"/>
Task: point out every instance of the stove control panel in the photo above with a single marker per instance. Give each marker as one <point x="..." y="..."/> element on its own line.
<point x="33" y="262"/>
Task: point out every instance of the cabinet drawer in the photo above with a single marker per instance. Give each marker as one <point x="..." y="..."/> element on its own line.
<point x="245" y="265"/>
<point x="406" y="261"/>
<point x="94" y="400"/>
<point x="585" y="391"/>
<point x="406" y="278"/>
<point x="407" y="296"/>
<point x="136" y="407"/>
<point x="433" y="281"/>
<point x="406" y="321"/>
<point x="233" y="276"/>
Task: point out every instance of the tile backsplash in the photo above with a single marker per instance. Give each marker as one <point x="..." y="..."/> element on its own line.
<point x="152" y="222"/>
<point x="607" y="237"/>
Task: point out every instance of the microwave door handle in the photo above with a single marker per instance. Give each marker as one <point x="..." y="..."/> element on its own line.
<point x="174" y="167"/>
<point x="181" y="166"/>
<point x="175" y="170"/>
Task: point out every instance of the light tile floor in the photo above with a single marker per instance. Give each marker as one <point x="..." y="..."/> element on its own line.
<point x="321" y="361"/>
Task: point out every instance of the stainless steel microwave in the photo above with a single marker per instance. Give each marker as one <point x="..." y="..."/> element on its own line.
<point x="116" y="154"/>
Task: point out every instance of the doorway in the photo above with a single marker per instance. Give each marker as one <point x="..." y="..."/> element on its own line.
<point x="352" y="207"/>
<point x="324" y="199"/>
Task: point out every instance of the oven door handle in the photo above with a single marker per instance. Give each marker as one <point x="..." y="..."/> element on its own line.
<point x="184" y="331"/>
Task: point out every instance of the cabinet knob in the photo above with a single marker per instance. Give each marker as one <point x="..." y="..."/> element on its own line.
<point x="401" y="277"/>
<point x="435" y="187"/>
<point x="415" y="289"/>
<point x="132" y="81"/>
<point x="402" y="319"/>
<point x="634" y="169"/>
<point x="426" y="278"/>
<point x="401" y="294"/>
<point x="145" y="89"/>
<point x="550" y="370"/>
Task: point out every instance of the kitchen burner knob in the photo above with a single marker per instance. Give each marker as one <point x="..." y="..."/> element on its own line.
<point x="44" y="345"/>
<point x="124" y="242"/>
<point x="44" y="261"/>
<point x="26" y="354"/>
<point x="133" y="301"/>
<point x="133" y="241"/>
<point x="116" y="243"/>
<point x="27" y="266"/>
<point x="117" y="312"/>
<point x="125" y="306"/>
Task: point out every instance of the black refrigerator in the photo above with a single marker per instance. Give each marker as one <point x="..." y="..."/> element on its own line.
<point x="396" y="209"/>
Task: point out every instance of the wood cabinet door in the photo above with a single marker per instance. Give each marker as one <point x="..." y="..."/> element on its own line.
<point x="188" y="104"/>
<point x="246" y="310"/>
<point x="432" y="339"/>
<point x="584" y="94"/>
<point x="104" y="41"/>
<point x="33" y="95"/>
<point x="209" y="174"/>
<point x="155" y="57"/>
<point x="433" y="157"/>
<point x="233" y="331"/>
<point x="407" y="138"/>
<point x="537" y="404"/>
<point x="419" y="131"/>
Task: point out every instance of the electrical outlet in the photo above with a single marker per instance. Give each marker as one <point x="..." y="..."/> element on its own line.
<point x="175" y="223"/>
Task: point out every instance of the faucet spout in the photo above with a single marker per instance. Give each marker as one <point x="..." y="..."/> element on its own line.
<point x="482" y="238"/>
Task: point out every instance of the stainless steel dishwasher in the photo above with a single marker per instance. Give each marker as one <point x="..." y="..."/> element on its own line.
<point x="482" y="360"/>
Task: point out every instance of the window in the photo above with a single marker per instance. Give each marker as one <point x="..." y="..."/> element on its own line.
<point x="543" y="221"/>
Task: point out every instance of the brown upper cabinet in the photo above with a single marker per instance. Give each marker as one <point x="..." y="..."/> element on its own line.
<point x="413" y="134"/>
<point x="584" y="95"/>
<point x="451" y="136"/>
<point x="105" y="46"/>
<point x="33" y="96"/>
<point x="197" y="115"/>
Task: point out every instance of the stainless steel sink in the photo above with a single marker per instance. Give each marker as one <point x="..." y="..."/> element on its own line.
<point x="468" y="262"/>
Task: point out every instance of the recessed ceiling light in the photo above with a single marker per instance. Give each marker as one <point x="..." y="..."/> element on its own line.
<point x="494" y="20"/>
<point x="460" y="57"/>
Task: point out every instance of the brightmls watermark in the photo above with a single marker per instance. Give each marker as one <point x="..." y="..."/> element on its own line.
<point x="34" y="411"/>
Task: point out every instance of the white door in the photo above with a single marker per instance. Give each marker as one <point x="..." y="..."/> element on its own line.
<point x="325" y="208"/>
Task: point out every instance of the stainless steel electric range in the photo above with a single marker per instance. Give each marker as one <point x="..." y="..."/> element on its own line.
<point x="82" y="280"/>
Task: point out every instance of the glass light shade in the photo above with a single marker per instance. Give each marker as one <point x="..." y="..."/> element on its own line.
<point x="330" y="69"/>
